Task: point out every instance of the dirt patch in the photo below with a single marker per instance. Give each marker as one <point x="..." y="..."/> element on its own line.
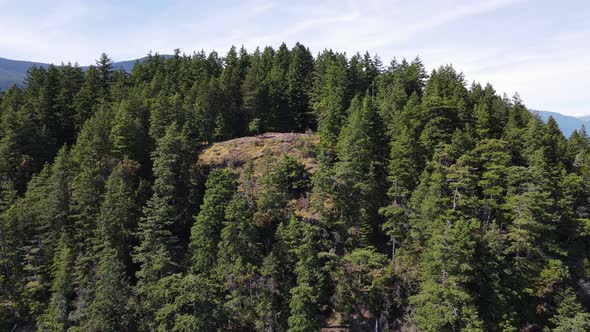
<point x="237" y="152"/>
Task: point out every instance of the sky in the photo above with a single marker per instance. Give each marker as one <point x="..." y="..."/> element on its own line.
<point x="539" y="49"/>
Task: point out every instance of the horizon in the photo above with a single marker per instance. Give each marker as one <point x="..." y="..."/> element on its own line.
<point x="534" y="48"/>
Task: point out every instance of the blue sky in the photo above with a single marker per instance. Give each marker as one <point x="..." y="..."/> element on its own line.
<point x="538" y="48"/>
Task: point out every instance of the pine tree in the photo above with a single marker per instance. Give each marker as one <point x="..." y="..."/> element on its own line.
<point x="444" y="302"/>
<point x="56" y="316"/>
<point x="305" y="302"/>
<point x="157" y="253"/>
<point x="231" y="122"/>
<point x="87" y="98"/>
<point x="109" y="308"/>
<point x="104" y="65"/>
<point x="255" y="95"/>
<point x="298" y="78"/>
<point x="331" y="103"/>
<point x="359" y="284"/>
<point x="238" y="261"/>
<point x="359" y="171"/>
<point x="279" y="117"/>
<point x="119" y="212"/>
<point x="205" y="233"/>
<point x="128" y="134"/>
<point x="570" y="314"/>
<point x="280" y="183"/>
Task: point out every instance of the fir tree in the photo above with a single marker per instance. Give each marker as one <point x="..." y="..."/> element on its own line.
<point x="205" y="233"/>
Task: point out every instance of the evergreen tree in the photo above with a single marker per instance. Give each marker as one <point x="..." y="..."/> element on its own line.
<point x="306" y="296"/>
<point x="56" y="316"/>
<point x="359" y="171"/>
<point x="238" y="258"/>
<point x="119" y="213"/>
<point x="331" y="103"/>
<point x="205" y="233"/>
<point x="157" y="253"/>
<point x="444" y="302"/>
<point x="298" y="78"/>
<point x="109" y="309"/>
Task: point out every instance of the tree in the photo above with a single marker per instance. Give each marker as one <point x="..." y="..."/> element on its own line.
<point x="444" y="302"/>
<point x="104" y="65"/>
<point x="331" y="103"/>
<point x="119" y="212"/>
<point x="87" y="98"/>
<point x="298" y="78"/>
<point x="56" y="316"/>
<point x="359" y="171"/>
<point x="128" y="134"/>
<point x="280" y="183"/>
<point x="570" y="315"/>
<point x="157" y="253"/>
<point x="360" y="289"/>
<point x="230" y="122"/>
<point x="237" y="262"/>
<point x="205" y="233"/>
<point x="109" y="309"/>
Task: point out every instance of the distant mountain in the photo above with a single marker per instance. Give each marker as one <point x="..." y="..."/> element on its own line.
<point x="15" y="71"/>
<point x="566" y="123"/>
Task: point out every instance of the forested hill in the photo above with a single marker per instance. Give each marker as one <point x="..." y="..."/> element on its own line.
<point x="15" y="71"/>
<point x="278" y="191"/>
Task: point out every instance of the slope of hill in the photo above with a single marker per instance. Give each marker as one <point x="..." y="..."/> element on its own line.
<point x="236" y="152"/>
<point x="15" y="71"/>
<point x="566" y="123"/>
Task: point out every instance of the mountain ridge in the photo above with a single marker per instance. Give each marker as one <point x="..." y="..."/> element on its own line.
<point x="15" y="71"/>
<point x="567" y="123"/>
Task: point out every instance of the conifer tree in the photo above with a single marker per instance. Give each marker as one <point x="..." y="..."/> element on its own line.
<point x="88" y="97"/>
<point x="56" y="316"/>
<point x="331" y="103"/>
<point x="238" y="261"/>
<point x="109" y="309"/>
<point x="298" y="78"/>
<point x="444" y="302"/>
<point x="119" y="212"/>
<point x="306" y="296"/>
<point x="359" y="170"/>
<point x="205" y="233"/>
<point x="157" y="253"/>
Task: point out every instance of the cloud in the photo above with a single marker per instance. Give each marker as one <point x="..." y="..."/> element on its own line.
<point x="534" y="47"/>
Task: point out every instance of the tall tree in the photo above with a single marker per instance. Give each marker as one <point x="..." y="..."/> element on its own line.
<point x="205" y="233"/>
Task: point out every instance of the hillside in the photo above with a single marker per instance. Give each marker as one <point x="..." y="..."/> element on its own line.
<point x="264" y="151"/>
<point x="567" y="123"/>
<point x="358" y="209"/>
<point x="15" y="71"/>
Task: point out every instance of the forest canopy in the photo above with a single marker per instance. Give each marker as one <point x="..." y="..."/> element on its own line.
<point x="433" y="204"/>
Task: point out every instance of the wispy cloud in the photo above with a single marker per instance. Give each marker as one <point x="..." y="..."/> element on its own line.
<point x="538" y="48"/>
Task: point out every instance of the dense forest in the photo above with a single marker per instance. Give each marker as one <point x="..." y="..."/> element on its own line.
<point x="434" y="204"/>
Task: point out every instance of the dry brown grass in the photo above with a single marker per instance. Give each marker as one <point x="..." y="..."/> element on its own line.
<point x="237" y="152"/>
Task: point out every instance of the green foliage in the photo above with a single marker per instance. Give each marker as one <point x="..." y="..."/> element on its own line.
<point x="205" y="233"/>
<point x="109" y="310"/>
<point x="432" y="205"/>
